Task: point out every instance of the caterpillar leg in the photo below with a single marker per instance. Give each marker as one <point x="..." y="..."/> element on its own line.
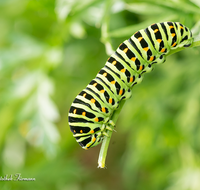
<point x="161" y="59"/>
<point x="96" y="137"/>
<point x="108" y="126"/>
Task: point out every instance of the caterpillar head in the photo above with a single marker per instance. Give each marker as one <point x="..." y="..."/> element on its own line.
<point x="186" y="39"/>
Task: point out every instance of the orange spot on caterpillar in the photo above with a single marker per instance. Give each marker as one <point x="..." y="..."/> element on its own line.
<point x="181" y="27"/>
<point x="173" y="44"/>
<point x="156" y="30"/>
<point x="173" y="34"/>
<point x="83" y="113"/>
<point x="110" y="100"/>
<point x="162" y="50"/>
<point x="92" y="100"/>
<point x="131" y="79"/>
<point x="103" y="109"/>
<point x="74" y="131"/>
<point x="151" y="58"/>
<point x="93" y="139"/>
<point x="120" y="92"/>
<point x="104" y="74"/>
<point x="102" y="91"/>
<point x="171" y="27"/>
<point x="95" y="84"/>
<point x="140" y="38"/>
<point x="92" y="131"/>
<point x="112" y="82"/>
<point x="159" y="40"/>
<point x="141" y="67"/>
<point x="84" y="95"/>
<point x="123" y="70"/>
<point x="74" y="111"/>
<point x="81" y="131"/>
<point x="114" y="62"/>
<point x="96" y="119"/>
<point x="133" y="58"/>
<point x="125" y="50"/>
<point x="145" y="49"/>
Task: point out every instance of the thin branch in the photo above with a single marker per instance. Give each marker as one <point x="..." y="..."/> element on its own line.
<point x="105" y="28"/>
<point x="106" y="140"/>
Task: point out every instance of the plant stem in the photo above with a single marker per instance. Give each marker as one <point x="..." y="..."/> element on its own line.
<point x="105" y="39"/>
<point x="106" y="140"/>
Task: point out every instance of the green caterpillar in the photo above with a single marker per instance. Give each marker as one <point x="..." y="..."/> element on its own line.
<point x="91" y="111"/>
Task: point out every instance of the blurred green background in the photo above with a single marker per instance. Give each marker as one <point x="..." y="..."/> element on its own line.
<point x="50" y="50"/>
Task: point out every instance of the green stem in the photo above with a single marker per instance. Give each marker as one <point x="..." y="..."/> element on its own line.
<point x="105" y="39"/>
<point x="106" y="140"/>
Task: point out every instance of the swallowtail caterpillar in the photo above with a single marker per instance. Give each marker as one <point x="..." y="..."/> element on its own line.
<point x="91" y="111"/>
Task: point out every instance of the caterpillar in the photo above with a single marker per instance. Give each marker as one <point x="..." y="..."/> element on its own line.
<point x="90" y="113"/>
